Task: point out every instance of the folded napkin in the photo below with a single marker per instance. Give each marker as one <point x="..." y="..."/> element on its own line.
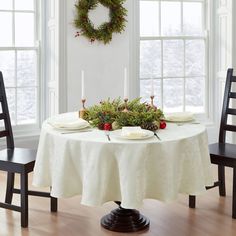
<point x="68" y="122"/>
<point x="179" y="116"/>
<point x="133" y="132"/>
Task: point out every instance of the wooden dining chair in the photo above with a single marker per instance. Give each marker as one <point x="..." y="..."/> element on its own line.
<point x="222" y="153"/>
<point x="17" y="160"/>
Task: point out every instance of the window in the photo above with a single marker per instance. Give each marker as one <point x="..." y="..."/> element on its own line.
<point x="173" y="54"/>
<point x="19" y="59"/>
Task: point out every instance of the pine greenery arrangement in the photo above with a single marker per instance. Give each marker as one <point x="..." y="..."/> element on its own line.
<point x="104" y="32"/>
<point x="112" y="112"/>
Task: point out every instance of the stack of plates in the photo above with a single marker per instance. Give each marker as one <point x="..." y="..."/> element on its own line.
<point x="63" y="122"/>
<point x="144" y="134"/>
<point x="179" y="117"/>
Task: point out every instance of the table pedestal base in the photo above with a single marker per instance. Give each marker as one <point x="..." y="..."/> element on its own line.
<point x="125" y="220"/>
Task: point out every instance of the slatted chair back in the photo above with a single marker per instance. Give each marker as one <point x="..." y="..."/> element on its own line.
<point x="5" y="116"/>
<point x="226" y="110"/>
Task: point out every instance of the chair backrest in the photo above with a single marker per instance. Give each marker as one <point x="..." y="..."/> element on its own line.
<point x="5" y="116"/>
<point x="226" y="110"/>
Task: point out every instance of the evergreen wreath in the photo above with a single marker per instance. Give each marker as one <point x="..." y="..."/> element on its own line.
<point x="104" y="32"/>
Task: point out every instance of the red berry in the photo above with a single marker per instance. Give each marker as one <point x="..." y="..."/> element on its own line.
<point x="162" y="124"/>
<point x="107" y="126"/>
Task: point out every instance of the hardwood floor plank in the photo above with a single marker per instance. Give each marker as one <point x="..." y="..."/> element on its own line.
<point x="212" y="217"/>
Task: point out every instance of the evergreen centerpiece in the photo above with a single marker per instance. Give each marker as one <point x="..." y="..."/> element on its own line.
<point x="109" y="115"/>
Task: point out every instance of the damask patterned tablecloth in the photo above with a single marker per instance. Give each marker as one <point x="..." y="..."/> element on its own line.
<point x="129" y="171"/>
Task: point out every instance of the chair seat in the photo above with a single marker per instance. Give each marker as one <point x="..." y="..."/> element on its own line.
<point x="223" y="154"/>
<point x="16" y="159"/>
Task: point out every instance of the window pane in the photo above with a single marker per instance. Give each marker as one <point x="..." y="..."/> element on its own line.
<point x="11" y="99"/>
<point x="26" y="105"/>
<point x="150" y="59"/>
<point x="173" y="58"/>
<point x="6" y="5"/>
<point x="24" y="4"/>
<point x="6" y="29"/>
<point x="195" y="57"/>
<point x="192" y="18"/>
<point x="7" y="66"/>
<point x="145" y="91"/>
<point x="24" y="29"/>
<point x="149" y="18"/>
<point x="195" y="93"/>
<point x="170" y="18"/>
<point x="26" y="68"/>
<point x="173" y="95"/>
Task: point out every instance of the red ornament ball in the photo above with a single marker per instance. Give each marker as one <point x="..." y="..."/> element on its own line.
<point x="162" y="124"/>
<point x="107" y="126"/>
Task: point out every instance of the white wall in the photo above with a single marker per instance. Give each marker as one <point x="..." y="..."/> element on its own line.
<point x="103" y="64"/>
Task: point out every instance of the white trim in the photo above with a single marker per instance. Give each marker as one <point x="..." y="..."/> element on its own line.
<point x="174" y="0"/>
<point x="211" y="57"/>
<point x="62" y="21"/>
<point x="18" y="11"/>
<point x="42" y="58"/>
<point x="56" y="83"/>
<point x="184" y="37"/>
<point x="30" y="141"/>
<point x="134" y="49"/>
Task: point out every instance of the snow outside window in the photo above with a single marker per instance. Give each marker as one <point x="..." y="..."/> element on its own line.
<point x="19" y="59"/>
<point x="173" y="52"/>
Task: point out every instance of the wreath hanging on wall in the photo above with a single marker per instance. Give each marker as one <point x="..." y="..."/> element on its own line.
<point x="103" y="33"/>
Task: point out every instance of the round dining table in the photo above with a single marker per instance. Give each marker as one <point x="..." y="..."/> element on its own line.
<point x="87" y="162"/>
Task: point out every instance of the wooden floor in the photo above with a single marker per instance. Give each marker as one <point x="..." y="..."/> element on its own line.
<point x="212" y="217"/>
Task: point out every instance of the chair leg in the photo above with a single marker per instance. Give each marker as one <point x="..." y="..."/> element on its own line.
<point x="53" y="202"/>
<point x="221" y="177"/>
<point x="192" y="201"/>
<point x="24" y="199"/>
<point x="234" y="194"/>
<point x="10" y="186"/>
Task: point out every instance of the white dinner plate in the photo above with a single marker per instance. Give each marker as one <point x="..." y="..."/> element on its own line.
<point x="117" y="134"/>
<point x="180" y="121"/>
<point x="82" y="127"/>
<point x="72" y="129"/>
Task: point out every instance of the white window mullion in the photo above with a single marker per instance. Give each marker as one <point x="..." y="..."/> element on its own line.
<point x="184" y="43"/>
<point x="13" y="24"/>
<point x="162" y="73"/>
<point x="159" y="4"/>
<point x="162" y="55"/>
<point x="184" y="82"/>
<point x="16" y="99"/>
<point x="182" y="17"/>
<point x="173" y="37"/>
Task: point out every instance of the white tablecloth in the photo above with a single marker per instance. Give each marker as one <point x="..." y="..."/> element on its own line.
<point x="127" y="171"/>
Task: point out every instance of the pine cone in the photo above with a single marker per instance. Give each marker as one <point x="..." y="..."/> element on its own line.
<point x="149" y="126"/>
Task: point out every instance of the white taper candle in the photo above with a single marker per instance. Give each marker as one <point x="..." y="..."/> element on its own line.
<point x="126" y="95"/>
<point x="152" y="87"/>
<point x="82" y="85"/>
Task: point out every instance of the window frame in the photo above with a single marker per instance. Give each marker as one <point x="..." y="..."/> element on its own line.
<point x="208" y="21"/>
<point x="26" y="130"/>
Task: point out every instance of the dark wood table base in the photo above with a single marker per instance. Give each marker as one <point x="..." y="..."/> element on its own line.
<point x="125" y="220"/>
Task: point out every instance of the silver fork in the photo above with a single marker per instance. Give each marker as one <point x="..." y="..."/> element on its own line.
<point x="193" y="123"/>
<point x="107" y="134"/>
<point x="77" y="131"/>
<point x="157" y="135"/>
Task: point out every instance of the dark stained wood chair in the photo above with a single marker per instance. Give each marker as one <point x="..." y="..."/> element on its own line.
<point x="17" y="160"/>
<point x="224" y="154"/>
